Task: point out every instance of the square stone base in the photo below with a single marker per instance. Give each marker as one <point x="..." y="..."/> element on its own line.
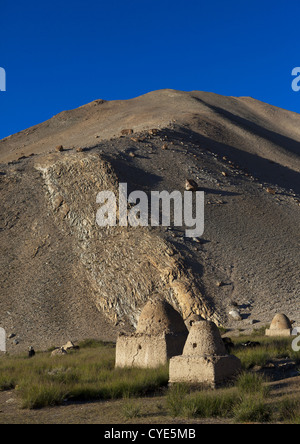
<point x="147" y="351"/>
<point x="279" y="333"/>
<point x="208" y="370"/>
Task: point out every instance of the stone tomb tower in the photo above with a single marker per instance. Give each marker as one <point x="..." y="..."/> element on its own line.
<point x="204" y="360"/>
<point x="280" y="326"/>
<point x="160" y="335"/>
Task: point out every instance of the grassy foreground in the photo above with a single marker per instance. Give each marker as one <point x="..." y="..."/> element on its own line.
<point x="89" y="374"/>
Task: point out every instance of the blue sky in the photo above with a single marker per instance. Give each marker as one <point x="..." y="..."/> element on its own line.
<point x="59" y="55"/>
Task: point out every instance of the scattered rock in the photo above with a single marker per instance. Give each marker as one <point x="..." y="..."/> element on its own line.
<point x="278" y="369"/>
<point x="235" y="314"/>
<point x="64" y="210"/>
<point x="250" y="344"/>
<point x="57" y="201"/>
<point x="126" y="132"/>
<point x="197" y="240"/>
<point x="59" y="352"/>
<point x="59" y="148"/>
<point x="153" y="132"/>
<point x="271" y="191"/>
<point x="11" y="401"/>
<point x="191" y="185"/>
<point x="70" y="346"/>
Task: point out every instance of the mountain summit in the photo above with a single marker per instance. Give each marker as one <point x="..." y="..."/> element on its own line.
<point x="63" y="277"/>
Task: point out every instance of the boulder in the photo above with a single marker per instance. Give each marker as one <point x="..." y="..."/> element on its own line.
<point x="235" y="315"/>
<point x="59" y="352"/>
<point x="69" y="346"/>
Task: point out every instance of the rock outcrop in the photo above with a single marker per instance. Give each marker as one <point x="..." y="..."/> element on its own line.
<point x="122" y="264"/>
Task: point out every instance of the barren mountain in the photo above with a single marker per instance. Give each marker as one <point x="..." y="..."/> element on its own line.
<point x="63" y="277"/>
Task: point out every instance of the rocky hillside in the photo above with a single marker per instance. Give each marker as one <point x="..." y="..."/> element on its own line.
<point x="63" y="277"/>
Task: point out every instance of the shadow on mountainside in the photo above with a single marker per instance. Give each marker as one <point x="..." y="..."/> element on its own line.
<point x="280" y="140"/>
<point x="263" y="169"/>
